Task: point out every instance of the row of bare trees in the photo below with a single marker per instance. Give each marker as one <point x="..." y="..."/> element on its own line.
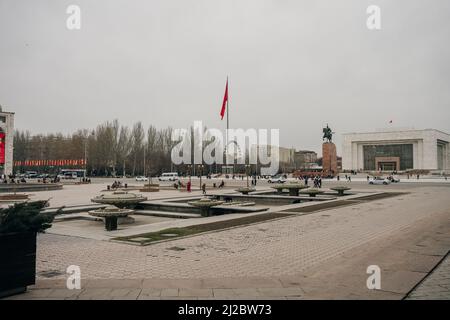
<point x="110" y="149"/>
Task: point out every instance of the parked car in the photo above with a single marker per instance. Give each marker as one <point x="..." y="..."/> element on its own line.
<point x="141" y="178"/>
<point x="31" y="174"/>
<point x="169" y="176"/>
<point x="276" y="179"/>
<point x="379" y="180"/>
<point x="394" y="179"/>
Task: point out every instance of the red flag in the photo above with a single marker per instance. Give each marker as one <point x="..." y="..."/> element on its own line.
<point x="225" y="100"/>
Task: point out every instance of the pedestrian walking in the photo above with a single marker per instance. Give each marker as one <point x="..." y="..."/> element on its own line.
<point x="204" y="188"/>
<point x="188" y="186"/>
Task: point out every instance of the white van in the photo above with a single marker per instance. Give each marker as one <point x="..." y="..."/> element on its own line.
<point x="168" y="176"/>
<point x="68" y="175"/>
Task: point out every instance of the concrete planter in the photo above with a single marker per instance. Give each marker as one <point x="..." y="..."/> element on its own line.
<point x="17" y="262"/>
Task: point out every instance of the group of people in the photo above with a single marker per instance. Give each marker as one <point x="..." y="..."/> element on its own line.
<point x="116" y="185"/>
<point x="12" y="179"/>
<point x="180" y="185"/>
<point x="317" y="180"/>
<point x="221" y="185"/>
<point x="241" y="176"/>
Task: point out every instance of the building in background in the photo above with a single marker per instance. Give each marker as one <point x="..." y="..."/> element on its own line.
<point x="287" y="163"/>
<point x="305" y="159"/>
<point x="397" y="150"/>
<point x="6" y="141"/>
<point x="286" y="157"/>
<point x="339" y="164"/>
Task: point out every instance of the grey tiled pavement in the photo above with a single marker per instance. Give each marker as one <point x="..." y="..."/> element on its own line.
<point x="436" y="286"/>
<point x="273" y="259"/>
<point x="285" y="246"/>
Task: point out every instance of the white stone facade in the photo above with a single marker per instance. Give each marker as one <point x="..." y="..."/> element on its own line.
<point x="425" y="147"/>
<point x="7" y="126"/>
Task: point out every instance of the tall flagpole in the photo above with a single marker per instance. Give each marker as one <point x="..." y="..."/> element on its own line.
<point x="228" y="107"/>
<point x="228" y="116"/>
<point x="228" y="121"/>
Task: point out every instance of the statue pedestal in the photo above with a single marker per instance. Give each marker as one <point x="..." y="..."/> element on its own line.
<point x="329" y="158"/>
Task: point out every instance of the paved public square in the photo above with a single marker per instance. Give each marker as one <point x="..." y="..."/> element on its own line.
<point x="321" y="255"/>
<point x="171" y="150"/>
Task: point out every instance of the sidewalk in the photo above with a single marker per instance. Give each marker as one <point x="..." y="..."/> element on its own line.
<point x="436" y="286"/>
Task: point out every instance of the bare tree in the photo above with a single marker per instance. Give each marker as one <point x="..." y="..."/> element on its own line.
<point x="137" y="138"/>
<point x="109" y="147"/>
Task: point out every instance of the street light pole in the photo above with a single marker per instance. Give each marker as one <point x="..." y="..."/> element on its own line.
<point x="201" y="172"/>
<point x="86" y="152"/>
<point x="144" y="163"/>
<point x="246" y="172"/>
<point x="85" y="157"/>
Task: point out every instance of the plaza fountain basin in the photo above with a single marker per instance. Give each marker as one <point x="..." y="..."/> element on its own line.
<point x="182" y="208"/>
<point x="232" y="203"/>
<point x="205" y="204"/>
<point x="120" y="199"/>
<point x="270" y="198"/>
<point x="29" y="187"/>
<point x="112" y="216"/>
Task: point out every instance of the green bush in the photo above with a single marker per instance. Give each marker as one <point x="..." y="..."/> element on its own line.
<point x="25" y="217"/>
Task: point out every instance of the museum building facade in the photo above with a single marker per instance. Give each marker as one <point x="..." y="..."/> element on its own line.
<point x="396" y="150"/>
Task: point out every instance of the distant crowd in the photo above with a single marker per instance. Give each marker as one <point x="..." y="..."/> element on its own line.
<point x="12" y="178"/>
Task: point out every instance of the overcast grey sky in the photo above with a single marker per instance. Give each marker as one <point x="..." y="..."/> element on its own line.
<point x="293" y="65"/>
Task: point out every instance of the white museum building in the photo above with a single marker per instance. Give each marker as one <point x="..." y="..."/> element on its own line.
<point x="6" y="141"/>
<point x="399" y="150"/>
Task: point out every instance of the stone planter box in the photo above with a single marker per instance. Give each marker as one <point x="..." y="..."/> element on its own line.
<point x="17" y="262"/>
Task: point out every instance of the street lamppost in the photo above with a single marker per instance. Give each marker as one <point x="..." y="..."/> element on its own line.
<point x="190" y="172"/>
<point x="86" y="141"/>
<point x="201" y="173"/>
<point x="247" y="166"/>
<point x="85" y="157"/>
<point x="145" y="171"/>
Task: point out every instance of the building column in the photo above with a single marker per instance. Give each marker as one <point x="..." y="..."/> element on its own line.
<point x="417" y="155"/>
<point x="360" y="159"/>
